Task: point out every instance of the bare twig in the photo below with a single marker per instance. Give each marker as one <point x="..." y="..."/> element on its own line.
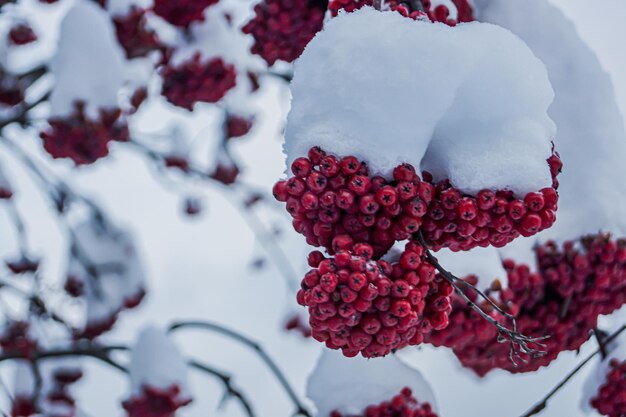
<point x="226" y="380"/>
<point x="300" y="408"/>
<point x="541" y="405"/>
<point x="517" y="341"/>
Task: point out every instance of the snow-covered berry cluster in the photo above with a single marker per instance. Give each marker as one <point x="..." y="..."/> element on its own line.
<point x="182" y="13"/>
<point x="134" y="35"/>
<point x="282" y="28"/>
<point x="197" y="80"/>
<point x="361" y="305"/>
<point x="330" y="196"/>
<point x="155" y="402"/>
<point x="402" y="405"/>
<point x="611" y="397"/>
<point x="575" y="284"/>
<point x="82" y="138"/>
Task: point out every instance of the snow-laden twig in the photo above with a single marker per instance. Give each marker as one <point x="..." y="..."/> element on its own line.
<point x="518" y="342"/>
<point x="541" y="405"/>
<point x="300" y="409"/>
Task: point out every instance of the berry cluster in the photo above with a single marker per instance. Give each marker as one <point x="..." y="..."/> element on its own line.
<point x="282" y="28"/>
<point x="462" y="222"/>
<point x="22" y="34"/>
<point x="402" y="405"/>
<point x="328" y="196"/>
<point x="182" y="13"/>
<point x="59" y="394"/>
<point x="440" y="13"/>
<point x="23" y="406"/>
<point x="155" y="402"/>
<point x="611" y="397"/>
<point x="15" y="338"/>
<point x="574" y="285"/>
<point x="134" y="35"/>
<point x="82" y="139"/>
<point x="197" y="80"/>
<point x="370" y="307"/>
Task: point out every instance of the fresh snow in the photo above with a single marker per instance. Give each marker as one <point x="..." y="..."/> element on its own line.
<point x="157" y="362"/>
<point x="89" y="63"/>
<point x="591" y="138"/>
<point x="120" y="277"/>
<point x="349" y="385"/>
<point x="467" y="103"/>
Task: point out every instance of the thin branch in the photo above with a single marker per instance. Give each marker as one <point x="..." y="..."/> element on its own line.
<point x="226" y="380"/>
<point x="541" y="405"/>
<point x="100" y="353"/>
<point x="600" y="338"/>
<point x="300" y="408"/>
<point x="517" y="341"/>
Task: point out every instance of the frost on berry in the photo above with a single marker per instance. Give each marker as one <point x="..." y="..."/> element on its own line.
<point x="82" y="138"/>
<point x="182" y="13"/>
<point x="610" y="399"/>
<point x="134" y="35"/>
<point x="369" y="307"/>
<point x="197" y="80"/>
<point x="282" y="28"/>
<point x="22" y="34"/>
<point x="104" y="272"/>
<point x="351" y="386"/>
<point x="158" y="376"/>
<point x="403" y="404"/>
<point x="574" y="284"/>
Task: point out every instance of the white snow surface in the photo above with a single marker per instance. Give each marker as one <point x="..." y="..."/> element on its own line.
<point x="4" y="180"/>
<point x="485" y="263"/>
<point x="349" y="385"/>
<point x="81" y="74"/>
<point x="591" y="138"/>
<point x="123" y="7"/>
<point x="467" y="103"/>
<point x="157" y="362"/>
<point x="121" y="274"/>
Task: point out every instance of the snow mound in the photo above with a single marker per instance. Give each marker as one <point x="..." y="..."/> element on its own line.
<point x="119" y="276"/>
<point x="349" y="385"/>
<point x="156" y="362"/>
<point x="591" y="138"/>
<point x="467" y="103"/>
<point x="89" y="63"/>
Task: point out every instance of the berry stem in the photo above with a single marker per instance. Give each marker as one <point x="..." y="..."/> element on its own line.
<point x="541" y="405"/>
<point x="301" y="410"/>
<point x="600" y="336"/>
<point x="226" y="379"/>
<point x="517" y="341"/>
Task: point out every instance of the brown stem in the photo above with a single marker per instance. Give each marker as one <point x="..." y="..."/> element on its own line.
<point x="282" y="379"/>
<point x="541" y="405"/>
<point x="517" y="341"/>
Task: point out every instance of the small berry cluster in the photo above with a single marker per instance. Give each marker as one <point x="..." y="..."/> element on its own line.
<point x="462" y="222"/>
<point x="611" y="397"/>
<point x="328" y="196"/>
<point x="370" y="307"/>
<point x="22" y="34"/>
<point x="134" y="35"/>
<point x="59" y="394"/>
<point x="82" y="139"/>
<point x="155" y="402"/>
<point x="282" y="28"/>
<point x="197" y="80"/>
<point x="440" y="13"/>
<point x="295" y="323"/>
<point x="182" y="13"/>
<point x="575" y="284"/>
<point x="402" y="405"/>
<point x="15" y="338"/>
